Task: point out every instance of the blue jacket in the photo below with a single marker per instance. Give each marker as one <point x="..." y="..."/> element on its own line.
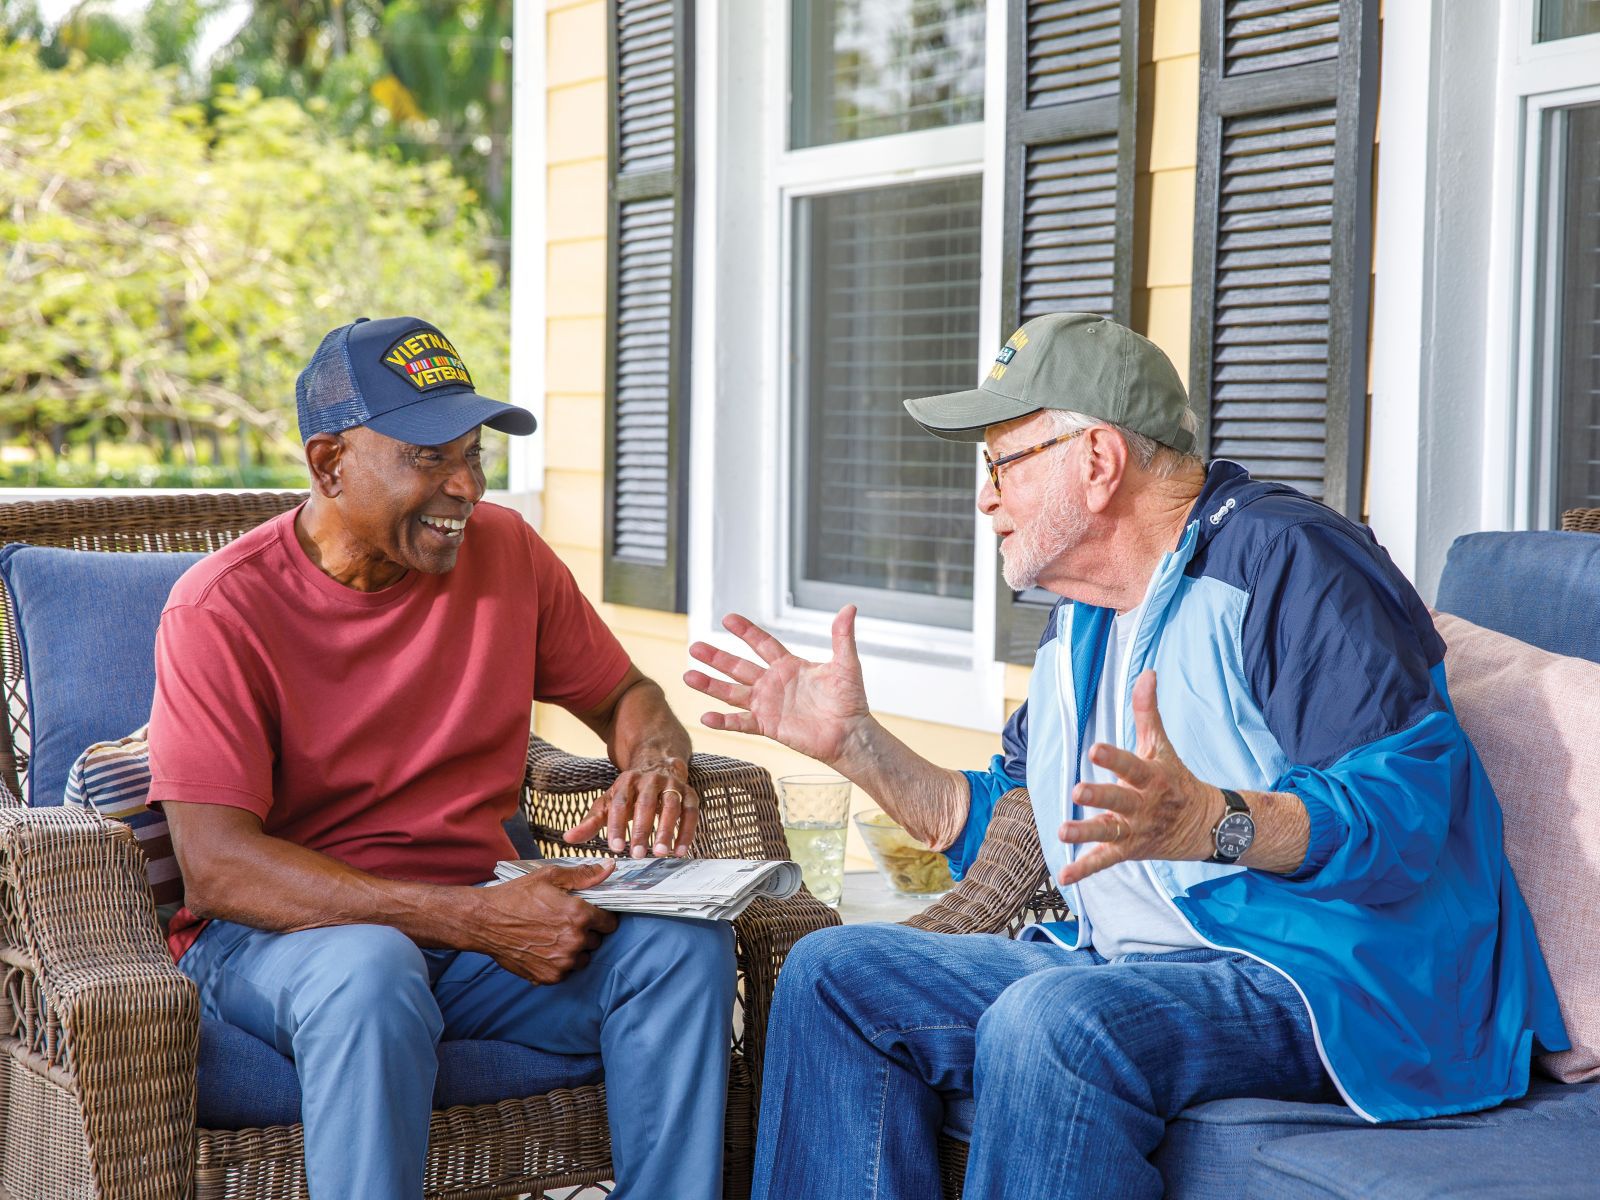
<point x="1293" y="656"/>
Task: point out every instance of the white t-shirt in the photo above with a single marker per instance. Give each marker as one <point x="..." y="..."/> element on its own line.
<point x="1126" y="913"/>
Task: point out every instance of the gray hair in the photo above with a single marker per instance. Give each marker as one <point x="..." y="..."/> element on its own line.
<point x="1161" y="461"/>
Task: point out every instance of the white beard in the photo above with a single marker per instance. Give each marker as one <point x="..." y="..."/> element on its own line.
<point x="1028" y="551"/>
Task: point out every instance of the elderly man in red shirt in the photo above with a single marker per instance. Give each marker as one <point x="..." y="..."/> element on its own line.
<point x="340" y="723"/>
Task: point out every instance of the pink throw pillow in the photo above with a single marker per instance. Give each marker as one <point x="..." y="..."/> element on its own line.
<point x="1534" y="718"/>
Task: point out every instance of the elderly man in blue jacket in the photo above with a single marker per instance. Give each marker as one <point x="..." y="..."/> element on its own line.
<point x="1283" y="854"/>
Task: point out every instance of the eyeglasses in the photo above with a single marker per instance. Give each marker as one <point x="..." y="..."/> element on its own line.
<point x="994" y="464"/>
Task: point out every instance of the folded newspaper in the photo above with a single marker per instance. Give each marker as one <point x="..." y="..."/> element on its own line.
<point x="717" y="889"/>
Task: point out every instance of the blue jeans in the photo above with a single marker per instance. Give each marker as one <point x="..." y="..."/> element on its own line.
<point x="1075" y="1063"/>
<point x="359" y="1009"/>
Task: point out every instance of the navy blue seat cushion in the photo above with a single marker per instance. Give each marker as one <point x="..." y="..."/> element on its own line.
<point x="86" y="623"/>
<point x="246" y="1084"/>
<point x="1208" y="1150"/>
<point x="1534" y="1158"/>
<point x="1536" y="587"/>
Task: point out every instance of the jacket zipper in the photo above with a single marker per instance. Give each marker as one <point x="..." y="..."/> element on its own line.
<point x="1316" y="1033"/>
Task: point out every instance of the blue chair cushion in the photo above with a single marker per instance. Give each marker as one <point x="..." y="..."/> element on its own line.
<point x="246" y="1084"/>
<point x="1535" y="587"/>
<point x="86" y="624"/>
<point x="1534" y="1158"/>
<point x="1208" y="1150"/>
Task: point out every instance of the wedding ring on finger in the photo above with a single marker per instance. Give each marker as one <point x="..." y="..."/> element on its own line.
<point x="672" y="792"/>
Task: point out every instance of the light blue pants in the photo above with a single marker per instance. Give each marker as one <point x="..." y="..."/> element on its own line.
<point x="359" y="1008"/>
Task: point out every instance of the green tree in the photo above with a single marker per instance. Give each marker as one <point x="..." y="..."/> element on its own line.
<point x="426" y="78"/>
<point x="166" y="277"/>
<point x="431" y="78"/>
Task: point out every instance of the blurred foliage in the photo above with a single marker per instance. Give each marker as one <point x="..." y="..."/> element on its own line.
<point x="431" y="78"/>
<point x="66" y="474"/>
<point x="168" y="266"/>
<point x="425" y="79"/>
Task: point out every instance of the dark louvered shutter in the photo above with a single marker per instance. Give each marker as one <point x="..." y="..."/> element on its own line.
<point x="1283" y="239"/>
<point x="1071" y="119"/>
<point x="647" y="340"/>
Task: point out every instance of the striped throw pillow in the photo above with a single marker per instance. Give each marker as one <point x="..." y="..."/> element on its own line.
<point x="113" y="778"/>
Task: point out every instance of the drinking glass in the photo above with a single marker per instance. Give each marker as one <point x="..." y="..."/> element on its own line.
<point x="814" y="810"/>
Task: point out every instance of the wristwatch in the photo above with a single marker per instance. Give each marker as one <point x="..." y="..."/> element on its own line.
<point x="1233" y="834"/>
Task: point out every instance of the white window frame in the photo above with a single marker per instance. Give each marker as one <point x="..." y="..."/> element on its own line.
<point x="1455" y="401"/>
<point x="740" y="519"/>
<point x="1535" y="416"/>
<point x="529" y="172"/>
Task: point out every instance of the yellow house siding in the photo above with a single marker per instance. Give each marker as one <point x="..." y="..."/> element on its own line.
<point x="574" y="75"/>
<point x="1171" y="79"/>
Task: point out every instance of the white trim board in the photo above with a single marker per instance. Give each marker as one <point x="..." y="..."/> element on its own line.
<point x="528" y="249"/>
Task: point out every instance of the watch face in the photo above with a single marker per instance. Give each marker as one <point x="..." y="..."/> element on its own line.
<point x="1234" y="834"/>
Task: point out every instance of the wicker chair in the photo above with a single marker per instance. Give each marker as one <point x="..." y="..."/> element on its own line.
<point x="99" y="1031"/>
<point x="1581" y="520"/>
<point x="1007" y="887"/>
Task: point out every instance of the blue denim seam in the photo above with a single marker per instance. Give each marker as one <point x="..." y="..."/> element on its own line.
<point x="885" y="1064"/>
<point x="873" y="1037"/>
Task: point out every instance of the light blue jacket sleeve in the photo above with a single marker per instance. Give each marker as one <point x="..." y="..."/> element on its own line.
<point x="1380" y="814"/>
<point x="987" y="788"/>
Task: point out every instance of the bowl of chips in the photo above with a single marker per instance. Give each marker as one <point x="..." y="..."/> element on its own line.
<point x="908" y="866"/>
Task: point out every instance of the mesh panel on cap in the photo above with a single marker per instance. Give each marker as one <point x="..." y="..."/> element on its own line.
<point x="325" y="393"/>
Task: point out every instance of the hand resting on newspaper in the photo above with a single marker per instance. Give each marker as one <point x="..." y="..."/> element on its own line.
<point x="538" y="929"/>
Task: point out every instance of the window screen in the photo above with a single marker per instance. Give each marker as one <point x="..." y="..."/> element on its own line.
<point x="886" y="308"/>
<point x="1577" y="322"/>
<point x="1567" y="18"/>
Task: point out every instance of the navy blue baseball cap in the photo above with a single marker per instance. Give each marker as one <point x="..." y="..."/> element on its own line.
<point x="400" y="376"/>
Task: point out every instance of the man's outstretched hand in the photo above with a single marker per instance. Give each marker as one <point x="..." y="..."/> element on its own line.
<point x="814" y="708"/>
<point x="1158" y="809"/>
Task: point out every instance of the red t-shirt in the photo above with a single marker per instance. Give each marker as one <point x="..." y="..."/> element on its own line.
<point x="385" y="729"/>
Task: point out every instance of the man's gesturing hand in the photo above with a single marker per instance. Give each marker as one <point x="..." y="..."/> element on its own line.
<point x="534" y="926"/>
<point x="810" y="707"/>
<point x="1157" y="810"/>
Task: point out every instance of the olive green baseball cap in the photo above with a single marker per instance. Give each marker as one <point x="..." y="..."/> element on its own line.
<point x="1075" y="361"/>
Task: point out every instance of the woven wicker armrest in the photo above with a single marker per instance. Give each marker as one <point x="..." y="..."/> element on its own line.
<point x="1005" y="883"/>
<point x="1581" y="520"/>
<point x="766" y="932"/>
<point x="738" y="807"/>
<point x="93" y="1009"/>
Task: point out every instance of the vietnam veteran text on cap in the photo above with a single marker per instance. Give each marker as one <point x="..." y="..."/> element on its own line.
<point x="402" y="377"/>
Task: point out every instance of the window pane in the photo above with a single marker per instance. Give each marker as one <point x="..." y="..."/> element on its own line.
<point x="864" y="68"/>
<point x="1567" y="18"/>
<point x="1577" y="322"/>
<point x="887" y="307"/>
